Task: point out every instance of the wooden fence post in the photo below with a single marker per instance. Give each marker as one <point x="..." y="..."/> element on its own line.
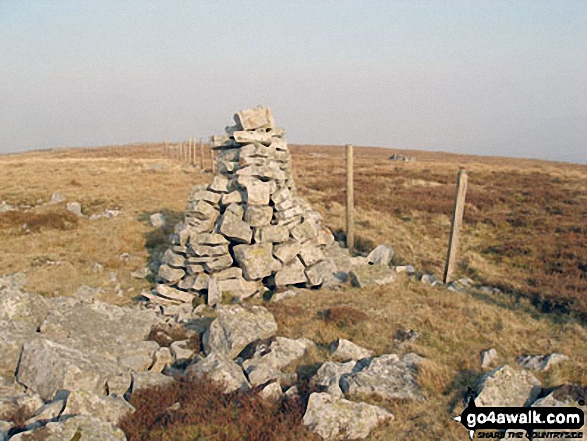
<point x="350" y="197"/>
<point x="455" y="226"/>
<point x="201" y="154"/>
<point x="212" y="159"/>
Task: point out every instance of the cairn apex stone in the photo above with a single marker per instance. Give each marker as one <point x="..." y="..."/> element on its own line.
<point x="255" y="118"/>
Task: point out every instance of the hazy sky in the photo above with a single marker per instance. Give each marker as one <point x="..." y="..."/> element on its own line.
<point x="484" y="77"/>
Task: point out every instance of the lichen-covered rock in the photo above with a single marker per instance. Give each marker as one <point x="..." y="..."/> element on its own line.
<point x="236" y="327"/>
<point x="370" y="275"/>
<point x="381" y="255"/>
<point x="110" y="409"/>
<point x="540" y="363"/>
<point x="337" y="418"/>
<point x="220" y="368"/>
<point x="79" y="428"/>
<point x="388" y="377"/>
<point x="345" y="350"/>
<point x="256" y="261"/>
<point x="505" y="386"/>
<point x="327" y="379"/>
<point x="70" y="369"/>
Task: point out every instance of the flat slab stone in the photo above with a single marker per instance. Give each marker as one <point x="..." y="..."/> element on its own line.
<point x="291" y="274"/>
<point x="370" y="275"/>
<point x="235" y="228"/>
<point x="337" y="418"/>
<point x="388" y="377"/>
<point x="236" y="327"/>
<point x="255" y="118"/>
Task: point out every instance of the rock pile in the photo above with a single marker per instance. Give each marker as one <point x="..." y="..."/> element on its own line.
<point x="402" y="158"/>
<point x="247" y="231"/>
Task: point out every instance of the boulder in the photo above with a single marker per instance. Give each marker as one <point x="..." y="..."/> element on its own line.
<point x="381" y="255"/>
<point x="144" y="380"/>
<point x="110" y="409"/>
<point x="488" y="358"/>
<point x="327" y="379"/>
<point x="111" y="332"/>
<point x="18" y="306"/>
<point x="505" y="386"/>
<point x="70" y="369"/>
<point x="388" y="377"/>
<point x="75" y="208"/>
<point x="220" y="368"/>
<point x="79" y="428"/>
<point x="310" y="254"/>
<point x="337" y="418"/>
<point x="272" y="392"/>
<point x="370" y="275"/>
<point x="236" y="327"/>
<point x="540" y="363"/>
<point x="157" y="220"/>
<point x="280" y="353"/>
<point x="345" y="350"/>
<point x="13" y="334"/>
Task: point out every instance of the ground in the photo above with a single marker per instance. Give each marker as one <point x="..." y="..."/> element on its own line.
<point x="524" y="232"/>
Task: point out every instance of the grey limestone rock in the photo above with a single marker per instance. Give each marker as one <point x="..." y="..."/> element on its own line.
<point x="505" y="386"/>
<point x="221" y="369"/>
<point x="337" y="418"/>
<point x="388" y="377"/>
<point x="236" y="327"/>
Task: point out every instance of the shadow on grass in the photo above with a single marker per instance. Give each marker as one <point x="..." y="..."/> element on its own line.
<point x="157" y="240"/>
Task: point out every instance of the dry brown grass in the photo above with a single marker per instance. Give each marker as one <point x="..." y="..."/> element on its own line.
<point x="524" y="231"/>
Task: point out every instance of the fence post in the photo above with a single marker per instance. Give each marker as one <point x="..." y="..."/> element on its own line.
<point x="212" y="159"/>
<point x="201" y="154"/>
<point x="455" y="226"/>
<point x="350" y="197"/>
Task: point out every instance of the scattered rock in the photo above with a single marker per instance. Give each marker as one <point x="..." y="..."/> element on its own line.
<point x="401" y="158"/>
<point x="279" y="296"/>
<point x="219" y="368"/>
<point x="327" y="379"/>
<point x="381" y="255"/>
<point x="236" y="327"/>
<point x="505" y="386"/>
<point x="337" y="418"/>
<point x="57" y="198"/>
<point x="489" y="358"/>
<point x="345" y="350"/>
<point x="157" y="220"/>
<point x="110" y="409"/>
<point x="272" y="392"/>
<point x="389" y="377"/>
<point x="370" y="275"/>
<point x="75" y="208"/>
<point x="540" y="363"/>
<point x="428" y="279"/>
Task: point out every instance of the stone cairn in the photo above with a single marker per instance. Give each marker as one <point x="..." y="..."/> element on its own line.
<point x="248" y="231"/>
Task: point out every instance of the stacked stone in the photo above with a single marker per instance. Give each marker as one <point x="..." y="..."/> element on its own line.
<point x="247" y="231"/>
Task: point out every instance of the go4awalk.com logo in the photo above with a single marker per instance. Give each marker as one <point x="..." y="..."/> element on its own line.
<point x="537" y="422"/>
